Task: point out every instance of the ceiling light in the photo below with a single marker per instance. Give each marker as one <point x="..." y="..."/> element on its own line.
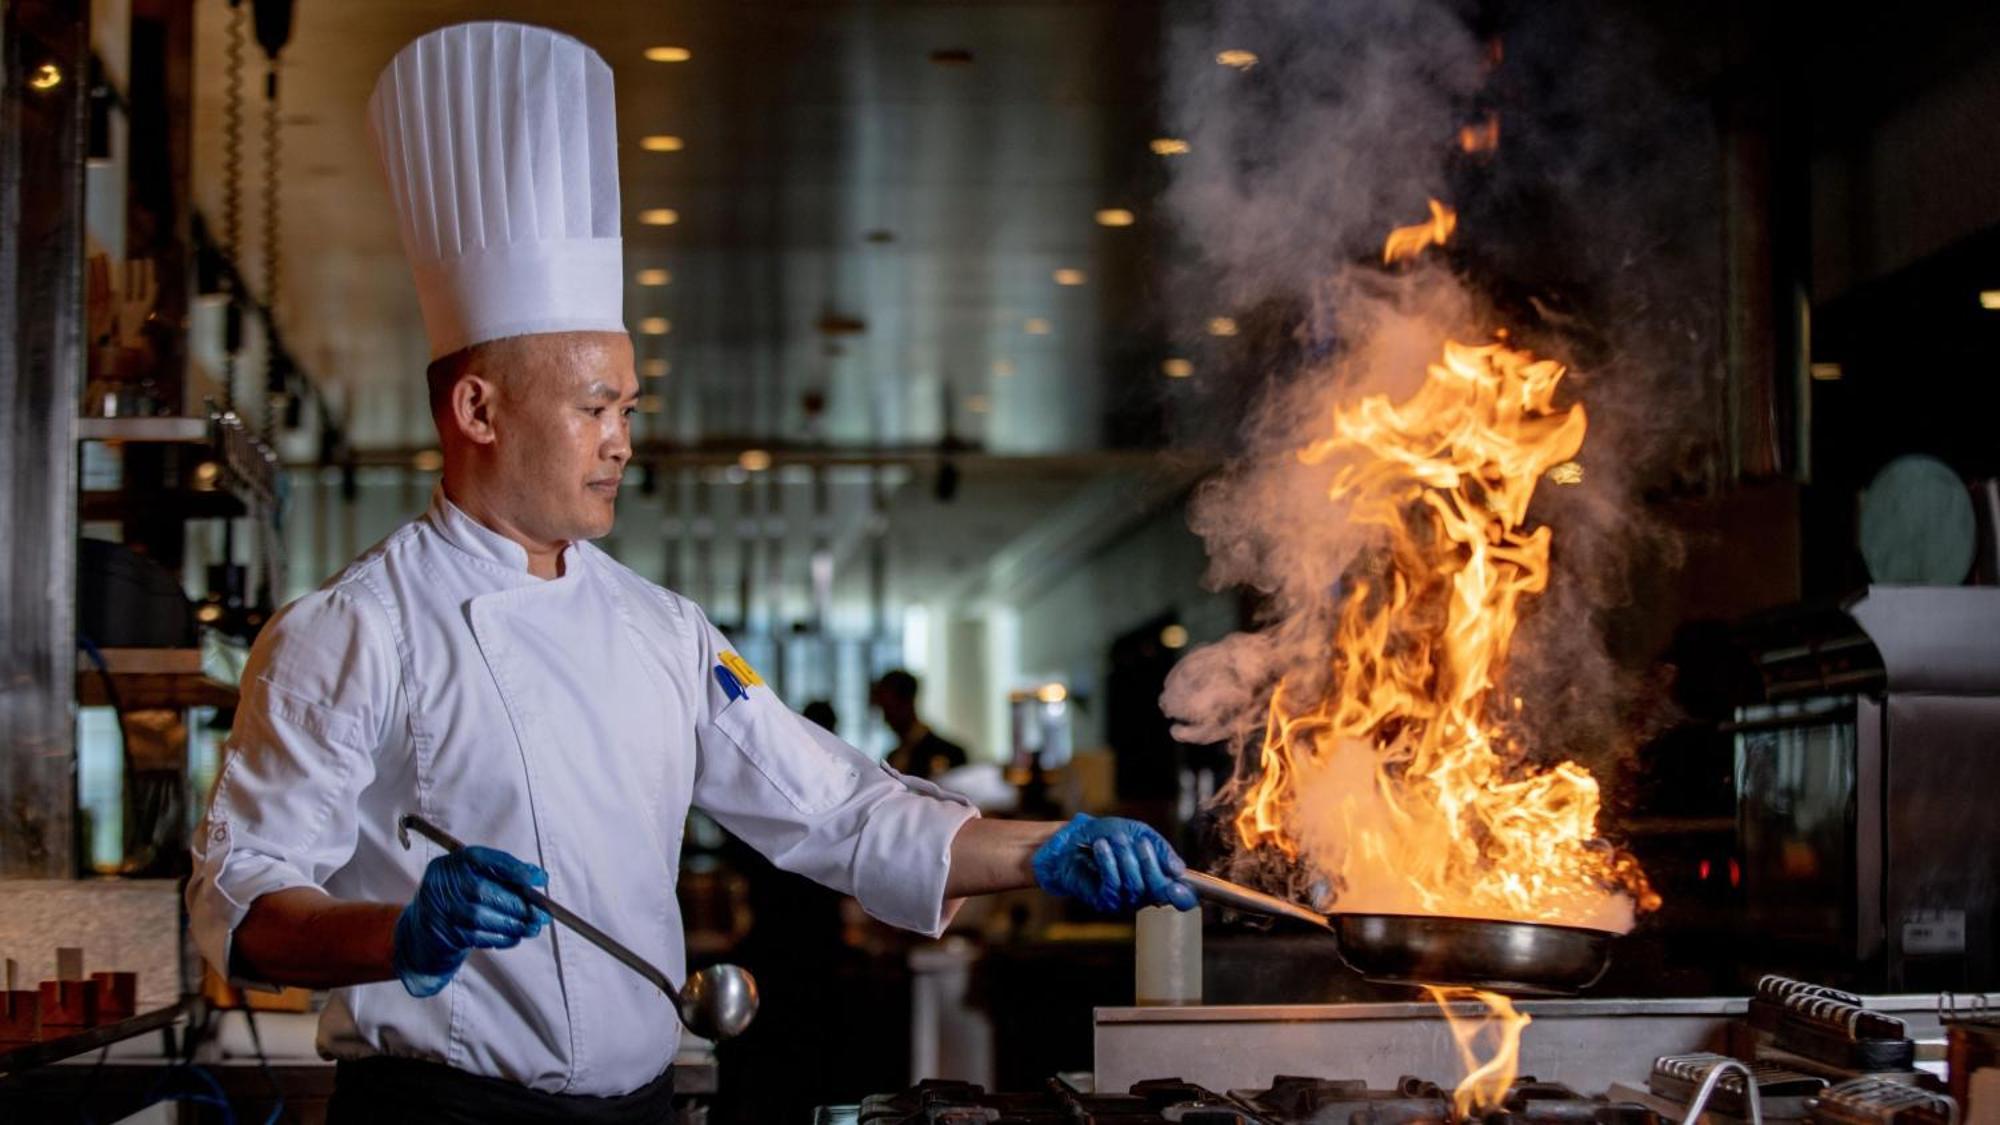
<point x="651" y="404"/>
<point x="1169" y="146"/>
<point x="1035" y="326"/>
<point x="1176" y="368"/>
<point x="754" y="460"/>
<point x="1002" y="368"/>
<point x="659" y="217"/>
<point x="1989" y="299"/>
<point x="654" y="277"/>
<point x="1221" y="326"/>
<point x="46" y="77"/>
<point x="1239" y="59"/>
<point x="1067" y="276"/>
<point x="979" y="404"/>
<point x="662" y="142"/>
<point x="1174" y="636"/>
<point x="656" y="326"/>
<point x="1052" y="693"/>
<point x="1826" y="372"/>
<point x="656" y="368"/>
<point x="668" y="54"/>
<point x="427" y="461"/>
<point x="1114" y="217"/>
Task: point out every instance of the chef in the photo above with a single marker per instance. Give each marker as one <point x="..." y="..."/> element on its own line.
<point x="488" y="668"/>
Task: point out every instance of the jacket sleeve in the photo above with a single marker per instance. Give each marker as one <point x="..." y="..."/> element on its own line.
<point x="317" y="693"/>
<point x="815" y="805"/>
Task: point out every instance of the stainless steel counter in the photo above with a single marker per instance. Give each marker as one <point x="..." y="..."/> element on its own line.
<point x="1587" y="1044"/>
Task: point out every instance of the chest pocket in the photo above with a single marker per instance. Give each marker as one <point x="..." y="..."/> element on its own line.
<point x="812" y="777"/>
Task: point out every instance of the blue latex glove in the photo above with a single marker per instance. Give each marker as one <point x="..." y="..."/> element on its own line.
<point x="1112" y="864"/>
<point x="467" y="901"/>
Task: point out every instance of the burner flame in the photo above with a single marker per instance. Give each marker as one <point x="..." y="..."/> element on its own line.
<point x="1488" y="1081"/>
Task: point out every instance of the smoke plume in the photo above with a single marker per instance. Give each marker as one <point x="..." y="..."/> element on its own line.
<point x="1587" y="235"/>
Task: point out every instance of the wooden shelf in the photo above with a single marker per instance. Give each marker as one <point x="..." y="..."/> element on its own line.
<point x="149" y="691"/>
<point x="14" y="1060"/>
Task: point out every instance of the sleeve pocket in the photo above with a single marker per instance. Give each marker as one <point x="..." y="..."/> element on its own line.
<point x="812" y="778"/>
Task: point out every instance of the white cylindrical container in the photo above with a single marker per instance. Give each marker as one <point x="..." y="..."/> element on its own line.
<point x="1168" y="957"/>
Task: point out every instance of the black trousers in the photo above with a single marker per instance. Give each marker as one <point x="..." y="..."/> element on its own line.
<point x="390" y="1091"/>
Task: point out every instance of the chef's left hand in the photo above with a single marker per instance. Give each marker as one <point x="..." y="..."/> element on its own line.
<point x="1113" y="864"/>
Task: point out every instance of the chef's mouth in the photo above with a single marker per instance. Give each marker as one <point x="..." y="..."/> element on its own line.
<point x="606" y="487"/>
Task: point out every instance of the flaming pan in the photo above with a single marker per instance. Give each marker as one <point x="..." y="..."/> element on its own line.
<point x="1517" y="958"/>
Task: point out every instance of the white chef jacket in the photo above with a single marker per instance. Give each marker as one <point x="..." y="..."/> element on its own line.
<point x="571" y="722"/>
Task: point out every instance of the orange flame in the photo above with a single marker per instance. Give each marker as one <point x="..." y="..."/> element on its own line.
<point x="1408" y="242"/>
<point x="1482" y="136"/>
<point x="1486" y="1084"/>
<point x="1404" y="787"/>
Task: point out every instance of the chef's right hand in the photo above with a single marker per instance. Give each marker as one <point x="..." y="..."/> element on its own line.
<point x="466" y="902"/>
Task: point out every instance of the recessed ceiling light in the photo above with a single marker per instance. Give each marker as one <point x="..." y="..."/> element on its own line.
<point x="754" y="460"/>
<point x="654" y="277"/>
<point x="1067" y="276"/>
<point x="1002" y="368"/>
<point x="1238" y="59"/>
<point x="979" y="404"/>
<point x="427" y="461"/>
<point x="46" y="77"/>
<point x="656" y="368"/>
<point x="1114" y="217"/>
<point x="1176" y="368"/>
<point x="1170" y="146"/>
<point x="1174" y="636"/>
<point x="662" y="142"/>
<point x="1989" y="299"/>
<point x="668" y="54"/>
<point x="659" y="217"/>
<point x="1826" y="372"/>
<point x="651" y="404"/>
<point x="656" y="326"/>
<point x="1035" y="326"/>
<point x="1221" y="326"/>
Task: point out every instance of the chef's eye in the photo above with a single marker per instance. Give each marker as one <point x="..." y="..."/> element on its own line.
<point x="629" y="411"/>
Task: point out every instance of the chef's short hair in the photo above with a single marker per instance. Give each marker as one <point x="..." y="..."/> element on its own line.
<point x="445" y="371"/>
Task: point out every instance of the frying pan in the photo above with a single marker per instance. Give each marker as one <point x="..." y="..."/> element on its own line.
<point x="1517" y="958"/>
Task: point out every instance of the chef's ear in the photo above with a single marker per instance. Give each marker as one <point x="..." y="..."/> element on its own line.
<point x="471" y="407"/>
<point x="462" y="394"/>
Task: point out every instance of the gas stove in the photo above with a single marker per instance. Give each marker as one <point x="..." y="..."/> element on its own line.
<point x="1289" y="1100"/>
<point x="1792" y="1053"/>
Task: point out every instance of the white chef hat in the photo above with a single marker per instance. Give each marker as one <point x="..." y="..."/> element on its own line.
<point x="499" y="141"/>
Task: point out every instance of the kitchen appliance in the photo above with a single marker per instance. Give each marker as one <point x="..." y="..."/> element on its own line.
<point x="1583" y="1062"/>
<point x="1870" y="858"/>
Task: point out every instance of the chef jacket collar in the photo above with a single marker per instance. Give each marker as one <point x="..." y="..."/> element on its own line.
<point x="482" y="542"/>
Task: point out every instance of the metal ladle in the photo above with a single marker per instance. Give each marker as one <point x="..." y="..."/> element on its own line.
<point x="717" y="1002"/>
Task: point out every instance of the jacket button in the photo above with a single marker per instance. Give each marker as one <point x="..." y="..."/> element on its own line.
<point x="220" y="834"/>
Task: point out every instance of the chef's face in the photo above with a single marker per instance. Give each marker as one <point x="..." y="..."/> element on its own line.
<point x="562" y="431"/>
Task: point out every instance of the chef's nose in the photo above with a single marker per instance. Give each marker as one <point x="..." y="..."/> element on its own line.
<point x="619" y="446"/>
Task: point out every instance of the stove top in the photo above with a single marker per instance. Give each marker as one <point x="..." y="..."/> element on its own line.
<point x="1289" y="1100"/>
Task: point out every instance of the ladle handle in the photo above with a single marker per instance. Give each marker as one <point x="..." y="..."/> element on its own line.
<point x="411" y="822"/>
<point x="1222" y="892"/>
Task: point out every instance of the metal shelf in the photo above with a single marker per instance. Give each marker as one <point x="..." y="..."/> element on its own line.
<point x="29" y="1056"/>
<point x="171" y="429"/>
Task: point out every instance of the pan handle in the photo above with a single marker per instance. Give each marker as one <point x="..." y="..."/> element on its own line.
<point x="1222" y="892"/>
